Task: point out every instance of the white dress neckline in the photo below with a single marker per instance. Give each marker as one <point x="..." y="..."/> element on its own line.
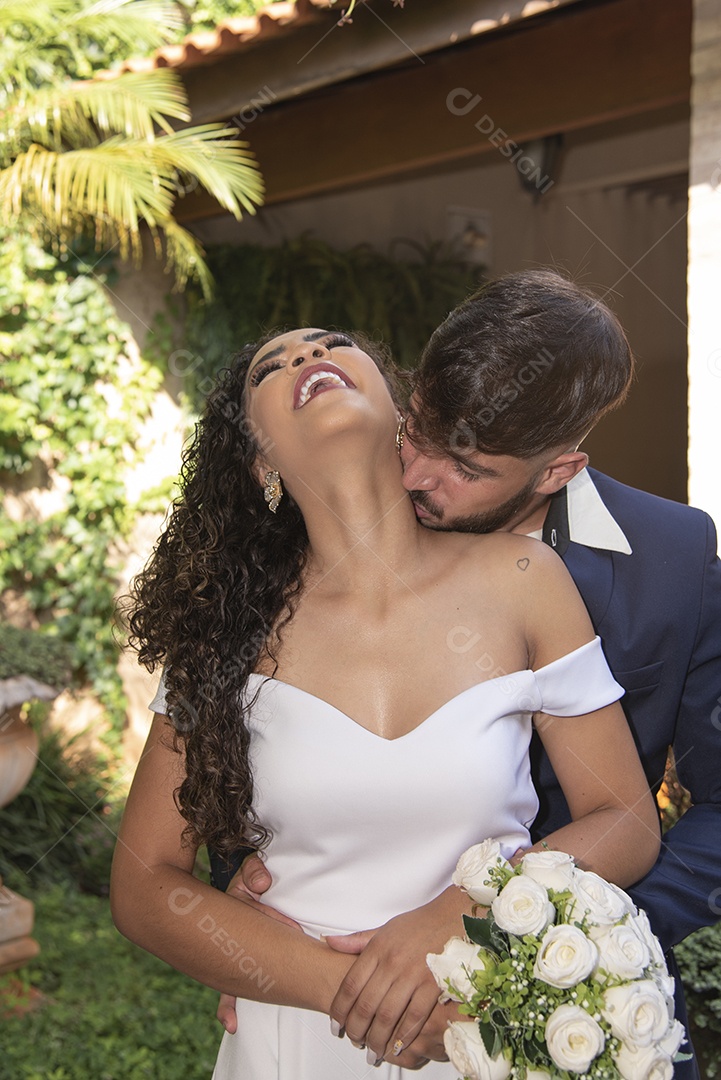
<point x="456" y="699"/>
<point x="530" y="673"/>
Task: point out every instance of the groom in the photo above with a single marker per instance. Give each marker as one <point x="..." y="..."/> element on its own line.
<point x="506" y="390"/>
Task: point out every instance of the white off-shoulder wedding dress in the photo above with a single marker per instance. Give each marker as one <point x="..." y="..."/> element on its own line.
<point x="364" y="828"/>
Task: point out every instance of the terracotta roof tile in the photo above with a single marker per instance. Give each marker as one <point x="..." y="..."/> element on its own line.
<point x="232" y="35"/>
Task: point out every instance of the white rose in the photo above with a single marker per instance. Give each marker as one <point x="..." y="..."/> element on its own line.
<point x="671" y="1042"/>
<point x="552" y="869"/>
<point x="644" y="1063"/>
<point x="667" y="985"/>
<point x="471" y="873"/>
<point x="637" y="1012"/>
<point x="458" y="959"/>
<point x="603" y="903"/>
<point x="623" y="951"/>
<point x="643" y="928"/>
<point x="659" y="968"/>
<point x="566" y="956"/>
<point x="573" y="1038"/>
<point x="522" y="907"/>
<point x="468" y="1055"/>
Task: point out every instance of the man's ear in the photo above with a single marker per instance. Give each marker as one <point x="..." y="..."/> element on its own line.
<point x="560" y="471"/>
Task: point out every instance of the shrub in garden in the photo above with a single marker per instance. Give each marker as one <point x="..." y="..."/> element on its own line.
<point x="699" y="959"/>
<point x="62" y="826"/>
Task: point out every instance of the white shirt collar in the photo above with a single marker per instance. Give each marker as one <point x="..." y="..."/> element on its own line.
<point x="590" y="522"/>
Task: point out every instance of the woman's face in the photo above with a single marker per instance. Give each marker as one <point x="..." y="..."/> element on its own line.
<point x="308" y="386"/>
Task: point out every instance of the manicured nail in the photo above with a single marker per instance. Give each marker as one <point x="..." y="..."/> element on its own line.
<point x="372" y="1059"/>
<point x="397" y="1047"/>
<point x="334" y="1028"/>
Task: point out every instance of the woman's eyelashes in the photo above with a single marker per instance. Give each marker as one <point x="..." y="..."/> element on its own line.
<point x="260" y="372"/>
<point x="334" y="340"/>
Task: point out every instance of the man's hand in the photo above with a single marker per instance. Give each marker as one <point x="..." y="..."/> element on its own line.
<point x="253" y="878"/>
<point x="248" y="885"/>
<point x="389" y="993"/>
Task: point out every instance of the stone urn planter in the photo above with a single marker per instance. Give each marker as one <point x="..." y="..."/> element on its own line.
<point x="18" y="757"/>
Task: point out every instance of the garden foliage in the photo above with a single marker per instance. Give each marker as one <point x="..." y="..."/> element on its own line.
<point x="100" y="157"/>
<point x="72" y="397"/>
<point x="63" y="825"/>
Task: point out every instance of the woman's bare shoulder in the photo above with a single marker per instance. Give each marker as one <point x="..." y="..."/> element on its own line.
<point x="506" y="550"/>
<point x="508" y="569"/>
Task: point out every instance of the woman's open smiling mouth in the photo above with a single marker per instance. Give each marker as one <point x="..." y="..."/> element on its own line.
<point x="316" y="379"/>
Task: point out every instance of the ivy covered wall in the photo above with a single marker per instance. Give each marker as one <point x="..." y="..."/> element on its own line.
<point x="73" y="394"/>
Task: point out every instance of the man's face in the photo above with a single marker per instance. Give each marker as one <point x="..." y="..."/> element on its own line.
<point x="472" y="492"/>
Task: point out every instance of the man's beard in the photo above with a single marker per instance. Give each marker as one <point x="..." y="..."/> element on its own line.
<point x="485" y="522"/>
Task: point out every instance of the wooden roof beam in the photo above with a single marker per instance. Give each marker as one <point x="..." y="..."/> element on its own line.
<point x="310" y="57"/>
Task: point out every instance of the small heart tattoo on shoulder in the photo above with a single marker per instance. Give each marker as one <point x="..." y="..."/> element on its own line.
<point x="522" y="564"/>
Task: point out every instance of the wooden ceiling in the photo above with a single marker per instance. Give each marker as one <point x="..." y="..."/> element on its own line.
<point x="564" y="70"/>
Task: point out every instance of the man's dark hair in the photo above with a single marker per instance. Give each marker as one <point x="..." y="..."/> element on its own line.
<point x="530" y="362"/>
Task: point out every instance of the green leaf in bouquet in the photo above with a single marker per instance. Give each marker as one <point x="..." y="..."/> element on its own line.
<point x="562" y="901"/>
<point x="491" y="1037"/>
<point x="501" y="942"/>
<point x="480" y="931"/>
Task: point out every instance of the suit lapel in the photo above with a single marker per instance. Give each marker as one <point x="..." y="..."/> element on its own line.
<point x="591" y="568"/>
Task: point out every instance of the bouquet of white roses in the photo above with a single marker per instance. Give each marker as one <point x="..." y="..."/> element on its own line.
<point x="564" y="977"/>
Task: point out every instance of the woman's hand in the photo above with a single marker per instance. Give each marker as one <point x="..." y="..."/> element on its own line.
<point x="389" y="993"/>
<point x="428" y="1044"/>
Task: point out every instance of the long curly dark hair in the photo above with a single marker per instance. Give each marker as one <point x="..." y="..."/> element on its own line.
<point x="220" y="585"/>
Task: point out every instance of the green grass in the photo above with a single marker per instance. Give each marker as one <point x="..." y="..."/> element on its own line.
<point x="109" y="1010"/>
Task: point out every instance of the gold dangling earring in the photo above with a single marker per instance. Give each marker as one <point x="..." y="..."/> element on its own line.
<point x="273" y="491"/>
<point x="400" y="433"/>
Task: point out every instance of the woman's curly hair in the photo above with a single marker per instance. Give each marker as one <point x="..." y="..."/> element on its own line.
<point x="220" y="585"/>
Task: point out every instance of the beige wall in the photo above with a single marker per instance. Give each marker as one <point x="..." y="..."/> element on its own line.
<point x="613" y="207"/>
<point x="704" y="275"/>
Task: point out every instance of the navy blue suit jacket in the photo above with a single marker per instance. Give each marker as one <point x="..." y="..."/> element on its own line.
<point x="658" y="612"/>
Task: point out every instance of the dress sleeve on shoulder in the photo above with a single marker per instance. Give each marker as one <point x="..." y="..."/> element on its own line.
<point x="577" y="683"/>
<point x="158" y="703"/>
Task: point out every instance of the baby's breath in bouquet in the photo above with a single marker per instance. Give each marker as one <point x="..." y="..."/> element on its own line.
<point x="564" y="978"/>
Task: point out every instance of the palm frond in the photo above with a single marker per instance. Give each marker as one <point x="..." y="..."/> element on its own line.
<point x="134" y="103"/>
<point x="40" y="38"/>
<point x="104" y="153"/>
<point x="123" y="182"/>
<point x="222" y="164"/>
<point x="108" y="182"/>
<point x="48" y="23"/>
<point x="185" y="257"/>
<point x="136" y="24"/>
<point x="74" y="114"/>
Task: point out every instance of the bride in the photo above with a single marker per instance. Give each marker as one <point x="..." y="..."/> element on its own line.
<point x="355" y="694"/>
